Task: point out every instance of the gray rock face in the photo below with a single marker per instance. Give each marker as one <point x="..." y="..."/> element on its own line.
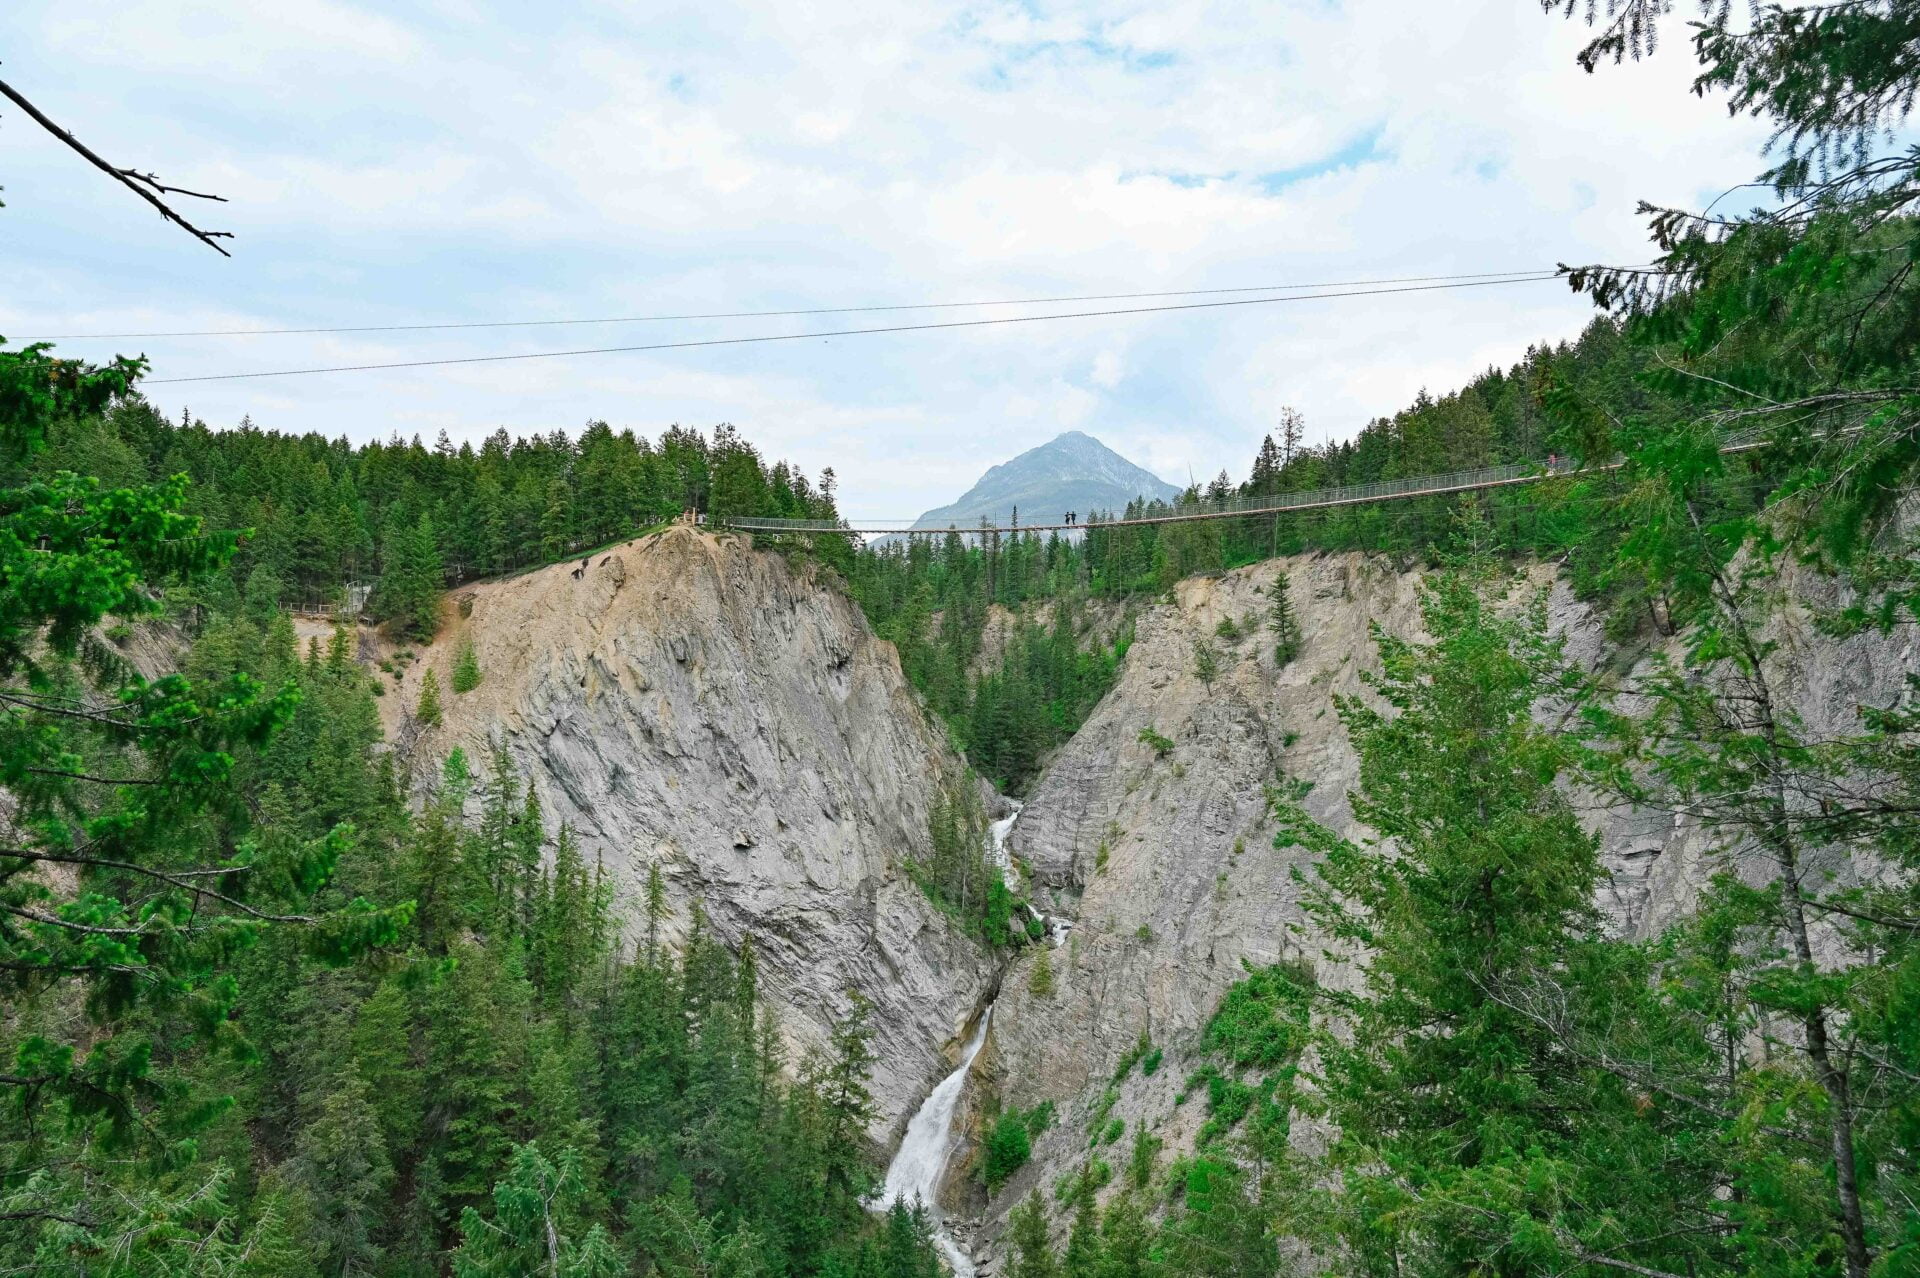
<point x="690" y="703"/>
<point x="1168" y="864"/>
<point x="1167" y="861"/>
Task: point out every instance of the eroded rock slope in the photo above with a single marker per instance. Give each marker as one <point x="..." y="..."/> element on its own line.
<point x="1166" y="860"/>
<point x="685" y="701"/>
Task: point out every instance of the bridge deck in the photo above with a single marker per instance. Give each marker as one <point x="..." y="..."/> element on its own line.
<point x="1438" y="485"/>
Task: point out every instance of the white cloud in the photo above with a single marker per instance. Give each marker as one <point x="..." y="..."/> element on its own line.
<point x="1108" y="368"/>
<point x="459" y="160"/>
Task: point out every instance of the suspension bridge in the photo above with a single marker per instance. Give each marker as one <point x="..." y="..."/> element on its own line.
<point x="1435" y="485"/>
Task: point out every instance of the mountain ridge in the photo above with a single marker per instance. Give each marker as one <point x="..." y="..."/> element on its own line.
<point x="1073" y="471"/>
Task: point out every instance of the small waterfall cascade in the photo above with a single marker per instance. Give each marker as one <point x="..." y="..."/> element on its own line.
<point x="997" y="842"/>
<point x="997" y="832"/>
<point x="916" y="1170"/>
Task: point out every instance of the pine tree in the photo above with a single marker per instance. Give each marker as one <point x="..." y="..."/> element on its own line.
<point x="428" y="711"/>
<point x="686" y="1244"/>
<point x="1206" y="663"/>
<point x="475" y="1034"/>
<point x="1085" y="1255"/>
<point x="1127" y="1237"/>
<point x="536" y="1225"/>
<point x="1040" y="979"/>
<point x="411" y="579"/>
<point x="466" y="668"/>
<point x="1281" y="620"/>
<point x="1293" y="432"/>
<point x="344" y="1167"/>
<point x="131" y="880"/>
<point x="656" y="910"/>
<point x="1441" y="1083"/>
<point x="556" y="524"/>
<point x="1027" y="1232"/>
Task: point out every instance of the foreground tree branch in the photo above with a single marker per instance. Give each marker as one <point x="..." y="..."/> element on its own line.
<point x="145" y="185"/>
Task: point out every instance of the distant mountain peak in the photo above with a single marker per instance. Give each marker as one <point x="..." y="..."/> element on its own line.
<point x="1072" y="471"/>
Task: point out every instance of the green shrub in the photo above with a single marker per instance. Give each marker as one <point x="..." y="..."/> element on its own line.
<point x="1132" y="1057"/>
<point x="1009" y="1146"/>
<point x="1151" y="1065"/>
<point x="1113" y="1130"/>
<point x="1261" y="1022"/>
<point x="1161" y="746"/>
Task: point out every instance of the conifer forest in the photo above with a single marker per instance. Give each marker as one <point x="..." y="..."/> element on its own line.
<point x="307" y="972"/>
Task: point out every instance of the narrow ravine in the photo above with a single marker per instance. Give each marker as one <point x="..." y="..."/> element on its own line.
<point x="928" y="1146"/>
<point x="921" y="1162"/>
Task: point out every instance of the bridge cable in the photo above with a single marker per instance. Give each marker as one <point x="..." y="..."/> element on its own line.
<point x="813" y="310"/>
<point x="843" y="332"/>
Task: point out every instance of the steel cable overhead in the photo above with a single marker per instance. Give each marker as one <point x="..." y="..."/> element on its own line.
<point x="848" y="332"/>
<point x="780" y="314"/>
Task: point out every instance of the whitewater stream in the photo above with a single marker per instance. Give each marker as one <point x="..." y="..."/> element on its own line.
<point x="916" y="1170"/>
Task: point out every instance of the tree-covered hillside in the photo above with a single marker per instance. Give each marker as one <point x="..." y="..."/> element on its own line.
<point x="408" y="519"/>
<point x="264" y="1016"/>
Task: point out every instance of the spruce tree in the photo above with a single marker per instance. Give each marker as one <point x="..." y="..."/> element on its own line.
<point x="466" y="668"/>
<point x="537" y="1225"/>
<point x="1449" y="1094"/>
<point x="1281" y="620"/>
<point x="1040" y="979"/>
<point x="1027" y="1232"/>
<point x="428" y="711"/>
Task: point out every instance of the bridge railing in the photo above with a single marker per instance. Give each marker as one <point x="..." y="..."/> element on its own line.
<point x="1255" y="503"/>
<point x="1248" y="504"/>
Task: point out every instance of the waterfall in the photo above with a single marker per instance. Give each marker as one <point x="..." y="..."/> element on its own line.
<point x="916" y="1170"/>
<point x="997" y="832"/>
<point x="997" y="842"/>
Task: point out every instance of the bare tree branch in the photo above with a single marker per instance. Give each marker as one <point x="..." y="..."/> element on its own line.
<point x="145" y="185"/>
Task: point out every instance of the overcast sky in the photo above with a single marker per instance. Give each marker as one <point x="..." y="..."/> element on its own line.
<point x="458" y="161"/>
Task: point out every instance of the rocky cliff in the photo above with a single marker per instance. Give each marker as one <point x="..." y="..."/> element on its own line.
<point x="685" y="701"/>
<point x="1167" y="861"/>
